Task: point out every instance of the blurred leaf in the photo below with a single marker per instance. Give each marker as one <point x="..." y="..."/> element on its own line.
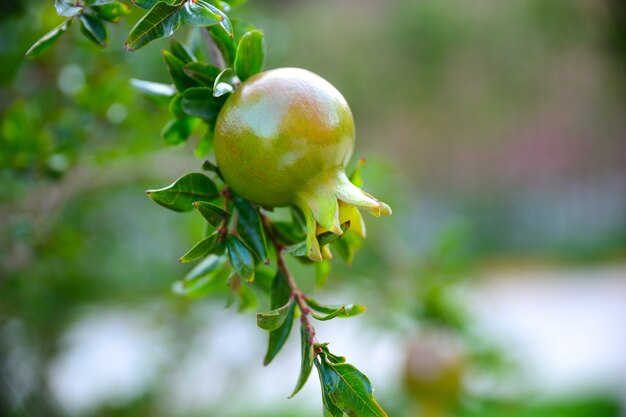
<point x="205" y="144"/>
<point x="177" y="131"/>
<point x="67" y="8"/>
<point x="250" y="228"/>
<point x="247" y="298"/>
<point x="279" y="296"/>
<point x="241" y="27"/>
<point x="241" y="258"/>
<point x="97" y="2"/>
<point x="112" y="12"/>
<point x="308" y="354"/>
<point x="322" y="270"/>
<point x="201" y="13"/>
<point x="355" y="176"/>
<point x="225" y="43"/>
<point x="93" y="29"/>
<point x="347" y="246"/>
<point x="176" y="107"/>
<point x="272" y="320"/>
<point x="180" y="51"/>
<point x="347" y="389"/>
<point x="209" y="264"/>
<point x="209" y="276"/>
<point x="330" y="356"/>
<point x="152" y="88"/>
<point x="213" y="214"/>
<point x="199" y="102"/>
<point x="161" y="21"/>
<point x="211" y="245"/>
<point x="47" y="40"/>
<point x="250" y="55"/>
<point x="186" y="190"/>
<point x="175" y="67"/>
<point x="204" y="73"/>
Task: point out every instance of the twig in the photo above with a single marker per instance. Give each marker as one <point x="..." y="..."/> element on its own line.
<point x="296" y="293"/>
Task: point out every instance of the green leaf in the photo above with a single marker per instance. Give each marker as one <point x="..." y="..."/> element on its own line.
<point x="203" y="73"/>
<point x="322" y="270"/>
<point x="347" y="310"/>
<point x="205" y="144"/>
<point x="332" y="358"/>
<point x="177" y="131"/>
<point x="250" y="55"/>
<point x="224" y="83"/>
<point x="279" y="296"/>
<point x="308" y="356"/>
<point x="67" y="8"/>
<point x="208" y="276"/>
<point x="288" y="233"/>
<point x="47" y="40"/>
<point x="161" y="21"/>
<point x="208" y="265"/>
<point x="272" y="320"/>
<point x="225" y="43"/>
<point x="347" y="246"/>
<point x="241" y="258"/>
<point x="186" y="190"/>
<point x="97" y="2"/>
<point x="112" y="12"/>
<point x="250" y="228"/>
<point x="153" y="89"/>
<point x="213" y="214"/>
<point x="145" y="4"/>
<point x="201" y="13"/>
<point x="199" y="102"/>
<point x="211" y="245"/>
<point x="93" y="29"/>
<point x="180" y="51"/>
<point x="347" y="389"/>
<point x="175" y="67"/>
<point x="176" y="107"/>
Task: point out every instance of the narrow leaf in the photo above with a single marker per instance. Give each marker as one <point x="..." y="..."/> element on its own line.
<point x="186" y="190"/>
<point x="213" y="214"/>
<point x="180" y="51"/>
<point x="279" y="296"/>
<point x="350" y="309"/>
<point x="47" y="40"/>
<point x="322" y="270"/>
<point x="225" y="43"/>
<point x="240" y="257"/>
<point x="175" y="67"/>
<point x="250" y="228"/>
<point x="348" y="389"/>
<point x="211" y="245"/>
<point x="250" y="55"/>
<point x="272" y="320"/>
<point x="307" y="359"/>
<point x="93" y="29"/>
<point x="343" y="312"/>
<point x="161" y="21"/>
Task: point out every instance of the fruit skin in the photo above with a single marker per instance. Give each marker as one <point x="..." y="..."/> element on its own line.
<point x="284" y="137"/>
<point x="280" y="129"/>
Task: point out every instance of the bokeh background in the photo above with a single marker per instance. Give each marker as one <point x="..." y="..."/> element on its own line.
<point x="497" y="132"/>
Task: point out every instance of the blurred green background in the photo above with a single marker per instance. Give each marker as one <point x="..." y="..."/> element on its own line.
<point x="495" y="130"/>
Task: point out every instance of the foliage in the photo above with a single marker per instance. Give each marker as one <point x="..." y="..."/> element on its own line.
<point x="244" y="246"/>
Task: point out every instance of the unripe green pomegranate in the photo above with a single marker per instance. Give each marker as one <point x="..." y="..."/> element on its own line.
<point x="283" y="138"/>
